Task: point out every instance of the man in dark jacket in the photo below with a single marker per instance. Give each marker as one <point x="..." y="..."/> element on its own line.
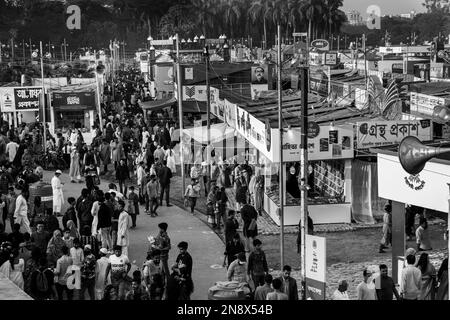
<point x="233" y="248"/>
<point x="165" y="174"/>
<point x="122" y="174"/>
<point x="257" y="264"/>
<point x="289" y="284"/>
<point x="84" y="208"/>
<point x="70" y="213"/>
<point x="104" y="224"/>
<point x="231" y="225"/>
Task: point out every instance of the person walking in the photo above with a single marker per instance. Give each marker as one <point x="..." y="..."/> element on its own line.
<point x="165" y="174"/>
<point x="250" y="229"/>
<point x="289" y="284"/>
<point x="341" y="292"/>
<point x="366" y="289"/>
<point x="184" y="266"/>
<point x="231" y="226"/>
<point x="192" y="193"/>
<point x="74" y="170"/>
<point x="104" y="224"/>
<point x="262" y="291"/>
<point x="119" y="265"/>
<point x="386" y="240"/>
<point x="84" y="207"/>
<point x="58" y="196"/>
<point x="123" y="236"/>
<point x="122" y="175"/>
<point x="411" y="280"/>
<point x="162" y="243"/>
<point x="133" y="206"/>
<point x="152" y="195"/>
<point x="105" y="156"/>
<point x="257" y="264"/>
<point x="428" y="285"/>
<point x="88" y="274"/>
<point x="100" y="272"/>
<point x="422" y="236"/>
<point x="21" y="211"/>
<point x="62" y="264"/>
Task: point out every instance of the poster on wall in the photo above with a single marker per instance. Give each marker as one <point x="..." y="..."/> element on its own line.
<point x="260" y="74"/>
<point x="189" y="73"/>
<point x="7" y="102"/>
<point x="27" y="98"/>
<point x="381" y="133"/>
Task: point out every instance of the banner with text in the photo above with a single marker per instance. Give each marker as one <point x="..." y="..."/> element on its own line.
<point x="424" y="103"/>
<point x="316" y="267"/>
<point x="83" y="100"/>
<point x="27" y="98"/>
<point x="382" y="133"/>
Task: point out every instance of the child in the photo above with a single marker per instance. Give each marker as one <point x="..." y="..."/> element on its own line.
<point x="133" y="206"/>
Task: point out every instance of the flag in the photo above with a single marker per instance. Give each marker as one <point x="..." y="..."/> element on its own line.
<point x="392" y="95"/>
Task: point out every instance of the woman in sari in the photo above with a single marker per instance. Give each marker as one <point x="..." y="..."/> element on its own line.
<point x="54" y="247"/>
<point x="442" y="291"/>
<point x="427" y="291"/>
<point x="73" y="229"/>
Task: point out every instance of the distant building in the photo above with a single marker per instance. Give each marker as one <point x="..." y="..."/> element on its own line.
<point x="410" y="15"/>
<point x="354" y="18"/>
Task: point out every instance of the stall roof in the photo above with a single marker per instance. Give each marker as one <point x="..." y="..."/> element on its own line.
<point x="158" y="104"/>
<point x="194" y="107"/>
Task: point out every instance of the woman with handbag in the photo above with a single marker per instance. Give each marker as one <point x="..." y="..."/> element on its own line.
<point x="191" y="194"/>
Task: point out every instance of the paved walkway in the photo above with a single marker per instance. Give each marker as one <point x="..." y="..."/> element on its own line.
<point x="204" y="245"/>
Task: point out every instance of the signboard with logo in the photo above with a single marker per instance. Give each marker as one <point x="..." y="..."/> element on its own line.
<point x="381" y="133"/>
<point x="424" y="104"/>
<point x="27" y="98"/>
<point x="7" y="102"/>
<point x="194" y="93"/>
<point x="316" y="267"/>
<point x="313" y="130"/>
<point x="320" y="44"/>
<point x="428" y="189"/>
<point x="331" y="58"/>
<point x="79" y="100"/>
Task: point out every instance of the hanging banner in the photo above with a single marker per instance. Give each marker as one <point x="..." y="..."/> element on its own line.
<point x="424" y="104"/>
<point x="27" y="98"/>
<point x="316" y="267"/>
<point x="382" y="133"/>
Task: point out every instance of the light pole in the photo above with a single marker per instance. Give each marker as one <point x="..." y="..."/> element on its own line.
<point x="43" y="97"/>
<point x="208" y="116"/>
<point x="180" y="113"/>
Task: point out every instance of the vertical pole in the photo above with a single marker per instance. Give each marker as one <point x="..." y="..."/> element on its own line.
<point x="65" y="50"/>
<point x="339" y="43"/>
<point x="304" y="172"/>
<point x="281" y="168"/>
<point x="180" y="115"/>
<point x="62" y="52"/>
<point x="0" y="51"/>
<point x="98" y="94"/>
<point x="43" y="98"/>
<point x="12" y="49"/>
<point x="208" y="120"/>
<point x="365" y="58"/>
<point x="31" y="48"/>
<point x="398" y="236"/>
<point x="23" y="51"/>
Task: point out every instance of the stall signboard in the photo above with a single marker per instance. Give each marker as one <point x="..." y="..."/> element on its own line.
<point x="316" y="267"/>
<point x="331" y="143"/>
<point x="382" y="133"/>
<point x="194" y="93"/>
<point x="27" y="98"/>
<point x="428" y="189"/>
<point x="7" y="101"/>
<point x="253" y="130"/>
<point x="330" y="58"/>
<point x="424" y="103"/>
<point x="84" y="100"/>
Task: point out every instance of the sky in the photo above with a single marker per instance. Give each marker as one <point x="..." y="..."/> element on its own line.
<point x="387" y="6"/>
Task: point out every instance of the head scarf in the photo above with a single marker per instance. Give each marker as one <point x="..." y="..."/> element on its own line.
<point x="73" y="229"/>
<point x="55" y="245"/>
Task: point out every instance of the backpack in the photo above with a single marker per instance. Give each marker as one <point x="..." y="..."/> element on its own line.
<point x="41" y="281"/>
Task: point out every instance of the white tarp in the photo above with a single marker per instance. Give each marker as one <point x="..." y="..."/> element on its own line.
<point x="219" y="132"/>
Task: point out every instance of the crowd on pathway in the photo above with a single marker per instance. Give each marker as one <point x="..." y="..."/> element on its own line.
<point x="85" y="252"/>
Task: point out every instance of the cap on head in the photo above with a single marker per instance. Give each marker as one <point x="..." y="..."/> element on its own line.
<point x="58" y="172"/>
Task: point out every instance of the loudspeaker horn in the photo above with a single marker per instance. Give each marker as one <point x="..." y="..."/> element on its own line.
<point x="413" y="154"/>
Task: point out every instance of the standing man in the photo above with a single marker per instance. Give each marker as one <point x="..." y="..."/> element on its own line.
<point x="119" y="265"/>
<point x="385" y="286"/>
<point x="262" y="291"/>
<point x="105" y="214"/>
<point x="58" y="197"/>
<point x="162" y="243"/>
<point x="422" y="236"/>
<point x="184" y="267"/>
<point x="366" y="289"/>
<point x="289" y="286"/>
<point x="411" y="280"/>
<point x="257" y="264"/>
<point x="123" y="237"/>
<point x="231" y="226"/>
<point x="21" y="211"/>
<point x="165" y="174"/>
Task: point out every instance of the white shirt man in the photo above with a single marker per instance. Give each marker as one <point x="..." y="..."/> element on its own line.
<point x="11" y="150"/>
<point x="21" y="213"/>
<point x="58" y="197"/>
